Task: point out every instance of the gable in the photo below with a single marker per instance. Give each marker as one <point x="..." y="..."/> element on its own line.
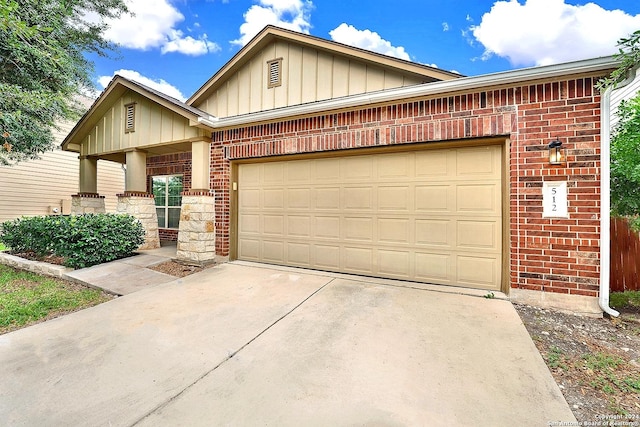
<point x="153" y="125"/>
<point x="311" y="70"/>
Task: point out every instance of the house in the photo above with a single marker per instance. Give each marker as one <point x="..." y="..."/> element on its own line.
<point x="309" y="153"/>
<point x="44" y="186"/>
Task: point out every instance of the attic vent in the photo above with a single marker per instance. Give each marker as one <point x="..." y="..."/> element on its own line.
<point x="130" y="117"/>
<point x="274" y="68"/>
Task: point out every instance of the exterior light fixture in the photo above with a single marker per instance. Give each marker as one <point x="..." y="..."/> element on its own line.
<point x="556" y="153"/>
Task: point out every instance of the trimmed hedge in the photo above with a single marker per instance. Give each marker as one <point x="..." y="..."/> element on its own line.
<point x="82" y="240"/>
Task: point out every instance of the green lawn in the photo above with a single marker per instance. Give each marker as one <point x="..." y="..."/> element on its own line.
<point x="27" y="298"/>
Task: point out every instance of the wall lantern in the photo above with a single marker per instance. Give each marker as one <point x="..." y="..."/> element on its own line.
<point x="556" y="153"/>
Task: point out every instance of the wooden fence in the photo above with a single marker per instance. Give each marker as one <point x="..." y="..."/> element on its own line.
<point x="625" y="257"/>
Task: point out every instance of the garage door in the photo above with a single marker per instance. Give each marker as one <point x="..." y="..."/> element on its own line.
<point x="431" y="216"/>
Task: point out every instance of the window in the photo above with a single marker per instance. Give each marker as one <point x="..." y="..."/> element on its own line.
<point x="274" y="70"/>
<point x="166" y="191"/>
<point x="130" y="117"/>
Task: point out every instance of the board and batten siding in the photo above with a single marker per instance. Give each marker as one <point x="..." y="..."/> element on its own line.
<point x="308" y="75"/>
<point x="154" y="125"/>
<point x="33" y="187"/>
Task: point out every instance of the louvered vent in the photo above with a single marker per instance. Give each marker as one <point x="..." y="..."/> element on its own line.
<point x="130" y="117"/>
<point x="275" y="72"/>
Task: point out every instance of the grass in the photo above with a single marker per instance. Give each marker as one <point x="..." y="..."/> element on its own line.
<point x="2" y="247"/>
<point x="628" y="299"/>
<point x="27" y="298"/>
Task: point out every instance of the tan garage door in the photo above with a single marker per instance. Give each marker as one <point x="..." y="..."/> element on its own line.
<point x="430" y="216"/>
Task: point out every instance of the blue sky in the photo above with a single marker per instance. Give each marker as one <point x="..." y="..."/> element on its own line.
<point x="176" y="45"/>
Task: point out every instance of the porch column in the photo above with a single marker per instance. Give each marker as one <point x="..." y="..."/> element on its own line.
<point x="87" y="200"/>
<point x="136" y="201"/>
<point x="200" y="160"/>
<point x="196" y="231"/>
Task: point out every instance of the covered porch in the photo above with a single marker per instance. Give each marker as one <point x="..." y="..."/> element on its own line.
<point x="134" y="125"/>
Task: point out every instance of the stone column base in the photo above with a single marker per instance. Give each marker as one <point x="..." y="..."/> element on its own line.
<point x="84" y="203"/>
<point x="142" y="206"/>
<point x="197" y="233"/>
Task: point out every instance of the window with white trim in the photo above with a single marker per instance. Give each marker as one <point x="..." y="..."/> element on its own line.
<point x="130" y="117"/>
<point x="274" y="73"/>
<point x="167" y="191"/>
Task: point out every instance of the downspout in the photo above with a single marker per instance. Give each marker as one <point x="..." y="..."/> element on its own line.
<point x="605" y="201"/>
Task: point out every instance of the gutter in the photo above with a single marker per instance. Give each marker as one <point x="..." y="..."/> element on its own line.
<point x="605" y="201"/>
<point x="427" y="89"/>
<point x="605" y="190"/>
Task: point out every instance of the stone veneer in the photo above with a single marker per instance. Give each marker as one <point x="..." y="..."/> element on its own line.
<point x="142" y="206"/>
<point x="84" y="203"/>
<point x="197" y="233"/>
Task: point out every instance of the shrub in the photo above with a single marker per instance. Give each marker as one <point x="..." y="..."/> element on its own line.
<point x="82" y="240"/>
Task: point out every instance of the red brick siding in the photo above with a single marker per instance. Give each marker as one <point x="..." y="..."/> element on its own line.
<point x="553" y="255"/>
<point x="168" y="234"/>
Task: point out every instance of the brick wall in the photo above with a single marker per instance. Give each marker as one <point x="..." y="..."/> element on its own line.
<point x="170" y="164"/>
<point x="553" y="255"/>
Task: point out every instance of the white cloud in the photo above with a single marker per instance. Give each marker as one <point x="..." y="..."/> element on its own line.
<point x="289" y="14"/>
<point x="188" y="45"/>
<point x="158" y="84"/>
<point x="366" y="39"/>
<point x="544" y="32"/>
<point x="153" y="25"/>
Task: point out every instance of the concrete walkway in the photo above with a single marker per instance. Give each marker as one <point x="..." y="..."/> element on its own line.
<point x="127" y="275"/>
<point x="242" y="344"/>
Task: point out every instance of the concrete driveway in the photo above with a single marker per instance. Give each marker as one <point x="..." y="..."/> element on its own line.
<point x="252" y="345"/>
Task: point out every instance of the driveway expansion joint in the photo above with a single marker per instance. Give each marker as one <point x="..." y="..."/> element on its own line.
<point x="231" y="355"/>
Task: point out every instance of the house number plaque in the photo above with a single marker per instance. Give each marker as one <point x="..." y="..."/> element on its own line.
<point x="554" y="199"/>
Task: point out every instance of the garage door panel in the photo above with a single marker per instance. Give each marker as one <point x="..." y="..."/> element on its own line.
<point x="395" y="167"/>
<point x="328" y="170"/>
<point x="358" y="259"/>
<point x="299" y="198"/>
<point x="327" y="198"/>
<point x="433" y="198"/>
<point x="358" y="198"/>
<point x="432" y="216"/>
<point x="436" y="232"/>
<point x="433" y="267"/>
<point x="273" y="198"/>
<point x="358" y="228"/>
<point x="327" y="227"/>
<point x="299" y="253"/>
<point x="249" y="199"/>
<point x="432" y="164"/>
<point x="394" y="230"/>
<point x="273" y="251"/>
<point x="481" y="235"/>
<point x="394" y="198"/>
<point x="249" y="223"/>
<point x="394" y="263"/>
<point x="477" y="271"/>
<point x="249" y="249"/>
<point x="250" y="174"/>
<point x="273" y="173"/>
<point x="482" y="161"/>
<point x="327" y="256"/>
<point x="299" y="171"/>
<point x="479" y="199"/>
<point x="273" y="224"/>
<point x="357" y="168"/>
<point x="299" y="226"/>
